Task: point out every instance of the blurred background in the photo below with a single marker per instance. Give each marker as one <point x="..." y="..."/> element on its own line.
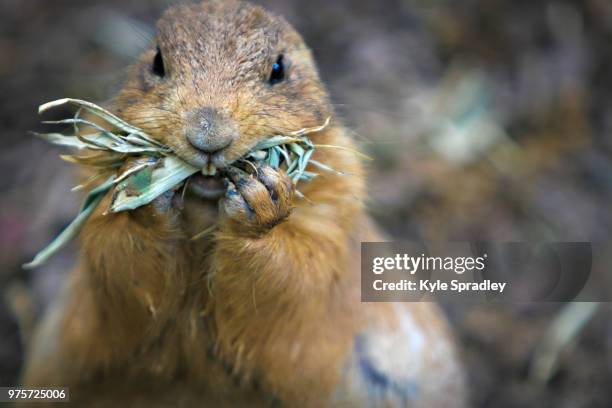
<point x="487" y="119"/>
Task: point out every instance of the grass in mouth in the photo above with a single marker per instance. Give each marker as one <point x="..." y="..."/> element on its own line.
<point x="162" y="171"/>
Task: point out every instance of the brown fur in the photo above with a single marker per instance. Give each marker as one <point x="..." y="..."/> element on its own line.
<point x="266" y="309"/>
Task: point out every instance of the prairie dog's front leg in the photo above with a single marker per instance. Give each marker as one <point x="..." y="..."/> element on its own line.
<point x="124" y="287"/>
<point x="133" y="262"/>
<point x="275" y="284"/>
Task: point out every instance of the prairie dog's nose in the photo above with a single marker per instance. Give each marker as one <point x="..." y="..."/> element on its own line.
<point x="208" y="131"/>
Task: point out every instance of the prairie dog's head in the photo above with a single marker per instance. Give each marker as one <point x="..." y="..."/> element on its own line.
<point x="220" y="77"/>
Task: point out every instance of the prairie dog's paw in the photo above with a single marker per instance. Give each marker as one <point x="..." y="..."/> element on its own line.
<point x="254" y="203"/>
<point x="165" y="210"/>
<point x="168" y="202"/>
<point x="165" y="205"/>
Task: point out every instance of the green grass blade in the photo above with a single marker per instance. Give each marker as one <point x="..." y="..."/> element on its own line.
<point x="101" y="113"/>
<point x="63" y="140"/>
<point x="129" y="195"/>
<point x="89" y="205"/>
<point x="274" y="141"/>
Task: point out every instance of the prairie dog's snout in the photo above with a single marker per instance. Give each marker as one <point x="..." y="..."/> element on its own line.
<point x="209" y="131"/>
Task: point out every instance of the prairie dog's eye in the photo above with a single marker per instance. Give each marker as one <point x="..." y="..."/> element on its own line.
<point x="278" y="71"/>
<point x="158" y="64"/>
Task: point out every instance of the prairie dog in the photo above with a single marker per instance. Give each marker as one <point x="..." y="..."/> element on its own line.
<point x="266" y="309"/>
